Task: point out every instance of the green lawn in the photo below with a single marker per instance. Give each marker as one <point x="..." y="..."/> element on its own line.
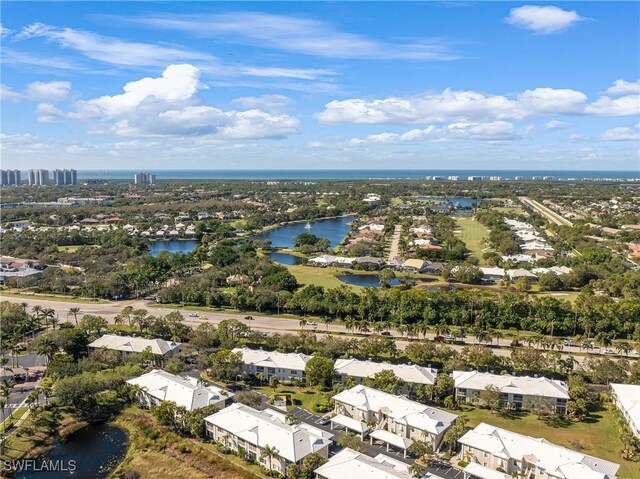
<point x="302" y="397"/>
<point x="319" y="276"/>
<point x="597" y="437"/>
<point x="473" y="234"/>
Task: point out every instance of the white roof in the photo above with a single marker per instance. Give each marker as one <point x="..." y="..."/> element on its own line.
<point x="506" y="383"/>
<point x="328" y="259"/>
<point x="134" y="345"/>
<point x="555" y="460"/>
<point x="273" y="359"/>
<point x="492" y="271"/>
<point x="391" y="438"/>
<point x="520" y="273"/>
<point x="269" y="427"/>
<point x="182" y="391"/>
<point x="483" y="472"/>
<point x="349" y="464"/>
<point x="349" y="423"/>
<point x="410" y="373"/>
<point x="559" y="270"/>
<point x="629" y="398"/>
<point x="402" y="410"/>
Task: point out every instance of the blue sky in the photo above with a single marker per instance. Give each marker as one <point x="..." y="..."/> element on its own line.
<point x="427" y="85"/>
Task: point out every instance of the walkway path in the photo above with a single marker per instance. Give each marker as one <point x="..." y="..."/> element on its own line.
<point x="395" y="242"/>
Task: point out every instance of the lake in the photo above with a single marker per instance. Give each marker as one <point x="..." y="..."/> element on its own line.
<point x="172" y="246"/>
<point x="365" y="280"/>
<point x="285" y="258"/>
<point x="455" y="202"/>
<point x="96" y="450"/>
<point x="333" y="229"/>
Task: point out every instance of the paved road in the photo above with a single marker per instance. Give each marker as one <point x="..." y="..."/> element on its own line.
<point x="268" y="324"/>
<point x="395" y="242"/>
<point x="546" y="212"/>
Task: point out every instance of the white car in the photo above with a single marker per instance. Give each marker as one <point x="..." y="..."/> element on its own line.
<point x="193" y="315"/>
<point x="312" y="323"/>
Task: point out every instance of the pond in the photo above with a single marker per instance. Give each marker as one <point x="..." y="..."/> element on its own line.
<point x="91" y="452"/>
<point x="172" y="246"/>
<point x="366" y="280"/>
<point x="285" y="258"/>
<point x="333" y="229"/>
<point x="455" y="202"/>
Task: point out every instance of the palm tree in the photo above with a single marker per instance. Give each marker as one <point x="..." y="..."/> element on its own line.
<point x="327" y="320"/>
<point x="292" y="419"/>
<point x="269" y="452"/>
<point x="48" y="314"/>
<point x="75" y="311"/>
<point x="303" y="323"/>
<point x="349" y="323"/>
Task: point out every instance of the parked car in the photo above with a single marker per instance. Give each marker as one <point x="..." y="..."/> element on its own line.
<point x="449" y="338"/>
<point x="193" y="315"/>
<point x="385" y="333"/>
<point x="609" y="351"/>
<point x="439" y="338"/>
<point x="250" y="318"/>
<point x="311" y="323"/>
<point x="324" y="420"/>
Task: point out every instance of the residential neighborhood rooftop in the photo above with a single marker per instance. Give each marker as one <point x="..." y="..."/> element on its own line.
<point x="534" y="386"/>
<point x="409" y="373"/>
<point x="273" y="359"/>
<point x="269" y="427"/>
<point x="556" y="461"/>
<point x="132" y="344"/>
<point x="184" y="392"/>
<point x="352" y="464"/>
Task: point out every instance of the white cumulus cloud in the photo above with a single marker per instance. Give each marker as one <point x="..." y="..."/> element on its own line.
<point x="53" y="91"/>
<point x="169" y="105"/>
<point x="543" y="19"/>
<point x="622" y="133"/>
<point x="622" y="87"/>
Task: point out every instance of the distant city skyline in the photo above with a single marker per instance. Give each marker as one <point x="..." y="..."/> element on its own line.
<point x="346" y="86"/>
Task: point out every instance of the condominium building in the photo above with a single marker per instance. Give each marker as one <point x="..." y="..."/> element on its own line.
<point x="349" y="464"/>
<point x="144" y="179"/>
<point x="128" y="344"/>
<point x="10" y="177"/>
<point x="240" y="426"/>
<point x="392" y="419"/>
<point x="411" y="374"/>
<point x="38" y="177"/>
<point x="157" y="386"/>
<point x="65" y="177"/>
<point x="285" y="366"/>
<point x="491" y="447"/>
<point x="627" y="398"/>
<point x="516" y="392"/>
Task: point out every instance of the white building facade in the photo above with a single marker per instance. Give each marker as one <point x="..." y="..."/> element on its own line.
<point x="240" y="426"/>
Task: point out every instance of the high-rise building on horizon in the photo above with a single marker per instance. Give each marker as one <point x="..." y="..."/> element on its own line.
<point x="144" y="179"/>
<point x="11" y="178"/>
<point x="65" y="177"/>
<point x="38" y="177"/>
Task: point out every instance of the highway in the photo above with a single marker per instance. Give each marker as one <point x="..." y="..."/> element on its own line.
<point x="267" y="324"/>
<point x="546" y="212"/>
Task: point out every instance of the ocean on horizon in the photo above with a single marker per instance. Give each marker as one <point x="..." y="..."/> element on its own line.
<point x="293" y="174"/>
